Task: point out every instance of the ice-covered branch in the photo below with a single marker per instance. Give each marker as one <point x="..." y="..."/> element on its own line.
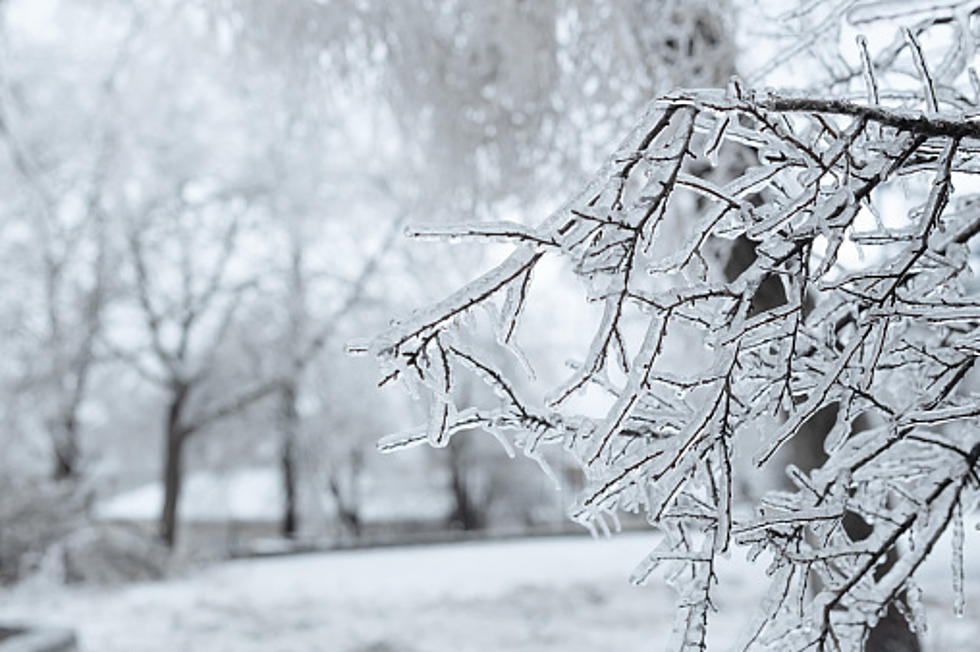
<point x="836" y="312"/>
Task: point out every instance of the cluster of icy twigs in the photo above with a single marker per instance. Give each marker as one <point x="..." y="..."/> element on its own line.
<point x="883" y="341"/>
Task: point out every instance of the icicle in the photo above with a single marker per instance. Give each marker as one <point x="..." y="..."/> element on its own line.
<point x="410" y="383"/>
<point x="959" y="603"/>
<point x="614" y="517"/>
<point x="502" y="439"/>
<point x="517" y="351"/>
<point x="917" y="610"/>
<point x="589" y="524"/>
<point x="603" y="526"/>
<point x="546" y="469"/>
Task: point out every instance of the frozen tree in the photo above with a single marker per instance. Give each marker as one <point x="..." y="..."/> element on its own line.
<point x="185" y="326"/>
<point x="304" y="338"/>
<point x="190" y="196"/>
<point x="59" y="170"/>
<point x="848" y="200"/>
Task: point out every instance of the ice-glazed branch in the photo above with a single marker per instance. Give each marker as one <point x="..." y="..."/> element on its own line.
<point x="834" y="311"/>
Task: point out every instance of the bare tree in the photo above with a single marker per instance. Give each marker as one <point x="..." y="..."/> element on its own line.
<point x="877" y="320"/>
<point x="61" y="197"/>
<point x="305" y="337"/>
<point x="186" y="321"/>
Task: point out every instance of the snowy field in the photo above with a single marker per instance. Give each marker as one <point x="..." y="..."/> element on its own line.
<point x="565" y="594"/>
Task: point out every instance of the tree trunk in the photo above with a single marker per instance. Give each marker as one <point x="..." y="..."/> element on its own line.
<point x="348" y="512"/>
<point x="66" y="450"/>
<point x="173" y="464"/>
<point x="351" y="520"/>
<point x="467" y="513"/>
<point x="288" y="429"/>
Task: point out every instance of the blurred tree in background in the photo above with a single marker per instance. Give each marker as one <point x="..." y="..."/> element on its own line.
<point x="203" y="198"/>
<point x="202" y="201"/>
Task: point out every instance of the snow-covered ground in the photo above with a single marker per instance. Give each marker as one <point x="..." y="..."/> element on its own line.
<point x="565" y="594"/>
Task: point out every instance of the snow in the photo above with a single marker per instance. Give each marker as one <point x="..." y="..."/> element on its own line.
<point x="566" y="594"/>
<point x="250" y="494"/>
<point x="254" y="494"/>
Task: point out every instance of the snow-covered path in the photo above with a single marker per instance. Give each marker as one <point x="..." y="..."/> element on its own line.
<point x="567" y="594"/>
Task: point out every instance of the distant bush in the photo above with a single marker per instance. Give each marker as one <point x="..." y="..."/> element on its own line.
<point x="34" y="516"/>
<point x="105" y="554"/>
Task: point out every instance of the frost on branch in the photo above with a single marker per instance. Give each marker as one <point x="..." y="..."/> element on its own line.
<point x="877" y="320"/>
